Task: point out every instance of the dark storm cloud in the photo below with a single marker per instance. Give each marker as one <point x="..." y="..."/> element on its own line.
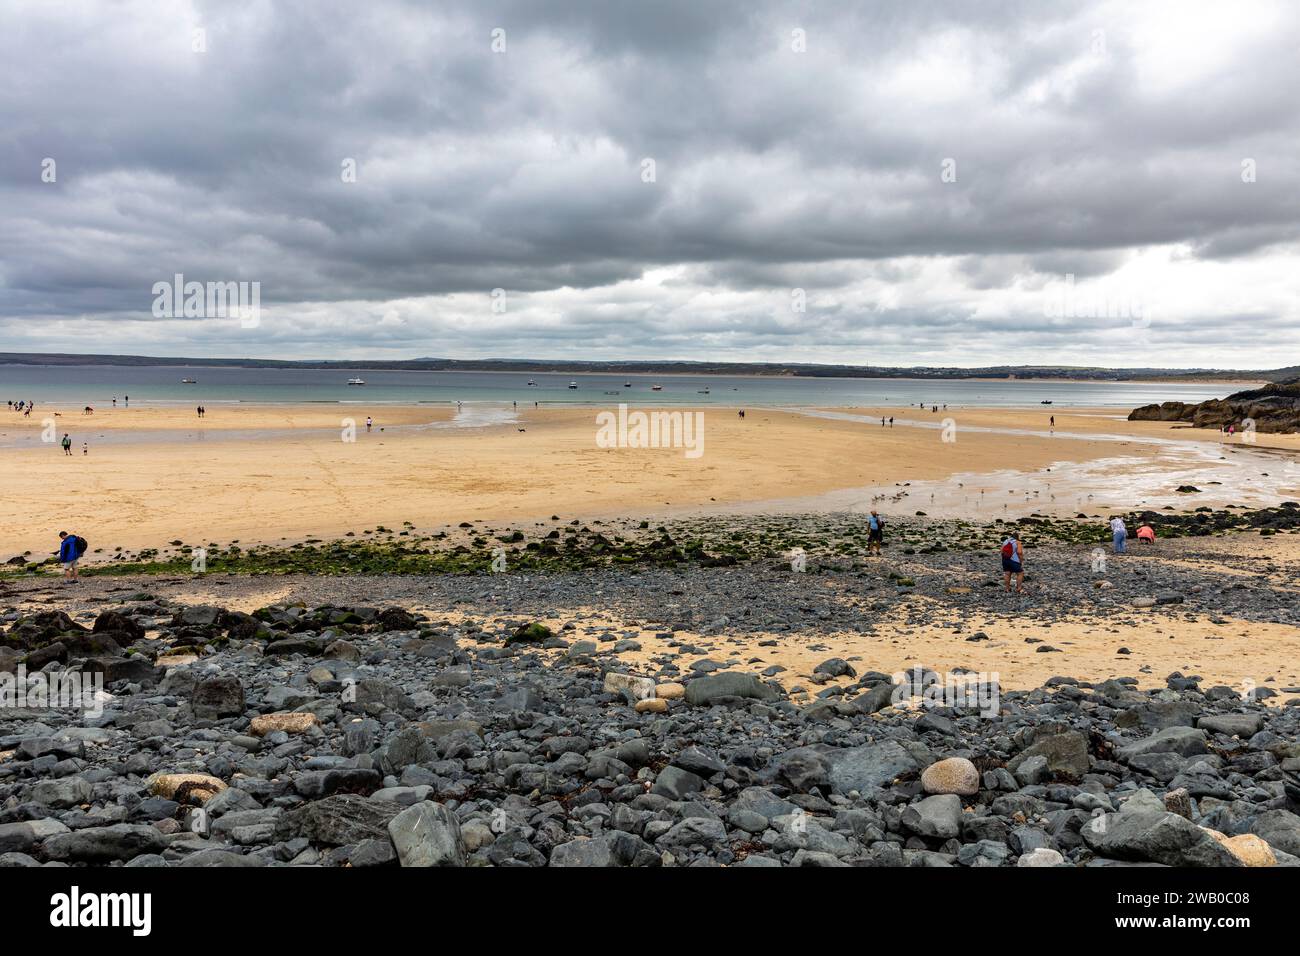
<point x="1095" y="140"/>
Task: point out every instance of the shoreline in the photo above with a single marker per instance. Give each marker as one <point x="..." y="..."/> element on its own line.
<point x="276" y="473"/>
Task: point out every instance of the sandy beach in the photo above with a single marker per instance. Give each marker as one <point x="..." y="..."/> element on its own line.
<point x="284" y="473"/>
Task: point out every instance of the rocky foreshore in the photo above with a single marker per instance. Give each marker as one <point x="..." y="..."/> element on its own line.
<point x="1272" y="408"/>
<point x="374" y="736"/>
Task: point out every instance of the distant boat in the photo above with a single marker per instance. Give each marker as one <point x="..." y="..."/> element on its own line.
<point x="531" y="382"/>
<point x="703" y="391"/>
<point x="656" y="388"/>
<point x="573" y="385"/>
<point x="627" y="384"/>
<point x="188" y="381"/>
<point x="1046" y="401"/>
<point x="356" y="381"/>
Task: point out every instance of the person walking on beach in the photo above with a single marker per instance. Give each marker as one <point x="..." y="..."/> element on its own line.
<point x="875" y="532"/>
<point x="1013" y="562"/>
<point x="369" y="422"/>
<point x="71" y="548"/>
<point x="1118" y="533"/>
<point x="67" y="443"/>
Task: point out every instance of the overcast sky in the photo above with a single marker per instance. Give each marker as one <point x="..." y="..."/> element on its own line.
<point x="921" y="176"/>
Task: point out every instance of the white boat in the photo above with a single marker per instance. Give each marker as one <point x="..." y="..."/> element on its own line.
<point x="356" y="381"/>
<point x="656" y="388"/>
<point x="531" y="382"/>
<point x="188" y="381"/>
<point x="573" y="385"/>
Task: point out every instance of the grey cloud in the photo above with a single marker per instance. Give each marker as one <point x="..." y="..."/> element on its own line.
<point x="775" y="170"/>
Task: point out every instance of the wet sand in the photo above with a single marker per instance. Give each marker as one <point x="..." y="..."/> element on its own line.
<point x="271" y="474"/>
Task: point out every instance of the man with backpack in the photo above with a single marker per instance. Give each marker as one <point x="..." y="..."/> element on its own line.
<point x="1013" y="562"/>
<point x="71" y="548"/>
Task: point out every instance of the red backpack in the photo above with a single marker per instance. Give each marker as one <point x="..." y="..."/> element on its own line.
<point x="1008" y="549"/>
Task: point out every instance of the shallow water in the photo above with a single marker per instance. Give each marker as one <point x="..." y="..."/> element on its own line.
<point x="97" y="385"/>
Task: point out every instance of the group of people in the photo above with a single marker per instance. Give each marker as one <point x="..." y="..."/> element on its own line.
<point x="1119" y="534"/>
<point x="1013" y="550"/>
<point x="25" y="407"/>
<point x="202" y="411"/>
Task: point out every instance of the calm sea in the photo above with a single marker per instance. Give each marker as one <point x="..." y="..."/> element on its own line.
<point x="99" y="384"/>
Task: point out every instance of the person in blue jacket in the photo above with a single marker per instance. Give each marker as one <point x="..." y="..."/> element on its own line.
<point x="68" y="555"/>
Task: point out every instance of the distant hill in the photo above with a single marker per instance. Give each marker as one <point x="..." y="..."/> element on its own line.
<point x="793" y="369"/>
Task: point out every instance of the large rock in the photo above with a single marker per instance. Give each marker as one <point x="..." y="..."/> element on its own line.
<point x="135" y="669"/>
<point x="938" y="817"/>
<point x="584" y="851"/>
<point x="1066" y="754"/>
<point x="218" y="697"/>
<point x="122" y="841"/>
<point x="427" y="834"/>
<point x="185" y="787"/>
<point x="1248" y="848"/>
<point x="874" y="699"/>
<point x="289" y="723"/>
<point x="1232" y="725"/>
<point x="638" y="688"/>
<point x="954" y="775"/>
<point x="62" y="792"/>
<point x="1184" y="741"/>
<point x="338" y="820"/>
<point x="704" y="831"/>
<point x="868" y="766"/>
<point x="315" y="784"/>
<point x="116" y="621"/>
<point x="706" y="690"/>
<point x="1145" y="831"/>
<point x="1281" y="828"/>
<point x="23" y="837"/>
<point x="675" y="783"/>
<point x="1040" y="857"/>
